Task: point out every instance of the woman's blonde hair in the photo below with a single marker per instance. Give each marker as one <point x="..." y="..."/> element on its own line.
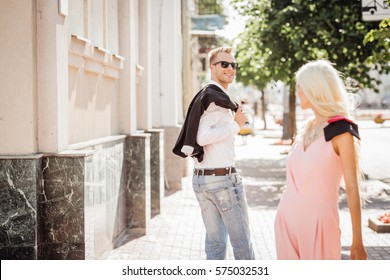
<point x="324" y="87"/>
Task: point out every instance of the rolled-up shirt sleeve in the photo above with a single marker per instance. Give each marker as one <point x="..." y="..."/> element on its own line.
<point x="215" y="125"/>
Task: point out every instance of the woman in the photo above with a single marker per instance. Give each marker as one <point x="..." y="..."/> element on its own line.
<point x="307" y="220"/>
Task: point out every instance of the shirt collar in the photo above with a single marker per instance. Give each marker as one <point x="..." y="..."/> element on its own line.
<point x="212" y="82"/>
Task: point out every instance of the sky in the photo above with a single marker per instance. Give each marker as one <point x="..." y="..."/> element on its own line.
<point x="236" y="23"/>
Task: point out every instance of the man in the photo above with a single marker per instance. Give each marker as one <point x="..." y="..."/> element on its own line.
<point x="208" y="136"/>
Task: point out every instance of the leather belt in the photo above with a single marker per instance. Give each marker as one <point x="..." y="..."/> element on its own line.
<point x="215" y="171"/>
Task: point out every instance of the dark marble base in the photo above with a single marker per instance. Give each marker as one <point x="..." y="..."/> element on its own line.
<point x="61" y="251"/>
<point x="105" y="206"/>
<point x="82" y="203"/>
<point x="156" y="169"/>
<point x="61" y="207"/>
<point x="137" y="160"/>
<point x="18" y="253"/>
<point x="19" y="181"/>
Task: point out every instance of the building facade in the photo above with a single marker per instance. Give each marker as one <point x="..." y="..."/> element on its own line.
<point x="91" y="99"/>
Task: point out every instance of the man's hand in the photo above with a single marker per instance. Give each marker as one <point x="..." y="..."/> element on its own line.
<point x="240" y="117"/>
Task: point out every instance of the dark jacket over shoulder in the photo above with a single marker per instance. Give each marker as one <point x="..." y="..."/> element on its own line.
<point x="187" y="137"/>
<point x="339" y="125"/>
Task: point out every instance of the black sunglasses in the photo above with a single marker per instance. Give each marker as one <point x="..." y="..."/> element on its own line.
<point x="225" y="64"/>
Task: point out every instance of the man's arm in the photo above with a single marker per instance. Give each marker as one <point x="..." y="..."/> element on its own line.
<point x="209" y="133"/>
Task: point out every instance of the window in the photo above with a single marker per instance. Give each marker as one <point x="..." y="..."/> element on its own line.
<point x="96" y="21"/>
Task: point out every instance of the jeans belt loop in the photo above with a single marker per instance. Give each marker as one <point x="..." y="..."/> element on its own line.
<point x="230" y="171"/>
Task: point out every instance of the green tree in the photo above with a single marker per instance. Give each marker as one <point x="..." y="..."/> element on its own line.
<point x="381" y="35"/>
<point x="282" y="35"/>
<point x="253" y="59"/>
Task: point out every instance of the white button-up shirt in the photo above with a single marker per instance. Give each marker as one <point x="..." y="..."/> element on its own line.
<point x="216" y="133"/>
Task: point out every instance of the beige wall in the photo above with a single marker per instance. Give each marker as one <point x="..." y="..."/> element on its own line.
<point x="18" y="101"/>
<point x="96" y="20"/>
<point x="93" y="95"/>
<point x="170" y="97"/>
<point x="70" y="78"/>
<point x="77" y="25"/>
<point x="93" y="106"/>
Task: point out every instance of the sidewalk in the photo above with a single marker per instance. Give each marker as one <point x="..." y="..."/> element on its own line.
<point x="178" y="233"/>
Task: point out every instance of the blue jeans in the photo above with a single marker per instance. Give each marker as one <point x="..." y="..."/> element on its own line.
<point x="224" y="211"/>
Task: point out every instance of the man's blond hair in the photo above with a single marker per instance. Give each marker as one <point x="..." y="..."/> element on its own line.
<point x="213" y="53"/>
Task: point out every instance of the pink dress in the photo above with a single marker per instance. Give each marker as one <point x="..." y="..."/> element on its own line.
<point x="307" y="220"/>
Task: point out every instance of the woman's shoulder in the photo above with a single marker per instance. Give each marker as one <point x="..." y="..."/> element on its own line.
<point x="338" y="125"/>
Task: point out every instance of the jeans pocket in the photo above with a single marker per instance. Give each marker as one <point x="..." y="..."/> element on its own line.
<point x="236" y="179"/>
<point x="222" y="198"/>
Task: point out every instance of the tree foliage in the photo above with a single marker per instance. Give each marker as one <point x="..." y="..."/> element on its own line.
<point x="280" y="36"/>
<point x="381" y="35"/>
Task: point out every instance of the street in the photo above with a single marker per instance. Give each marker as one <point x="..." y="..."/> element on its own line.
<point x="375" y="149"/>
<point x="178" y="232"/>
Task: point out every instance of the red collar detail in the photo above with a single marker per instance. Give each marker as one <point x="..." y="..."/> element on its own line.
<point x="339" y="118"/>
